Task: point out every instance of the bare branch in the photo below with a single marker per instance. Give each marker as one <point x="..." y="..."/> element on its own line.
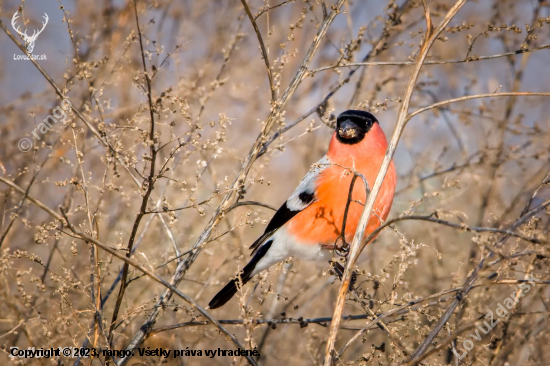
<point x="77" y="234"/>
<point x="443" y="62"/>
<point x="356" y="246"/>
<point x="265" y="55"/>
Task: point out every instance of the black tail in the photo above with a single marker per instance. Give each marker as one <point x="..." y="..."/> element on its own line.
<point x="230" y="289"/>
<point x="225" y="294"/>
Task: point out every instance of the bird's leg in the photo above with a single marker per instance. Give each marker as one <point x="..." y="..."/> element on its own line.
<point x="339" y="271"/>
<point x="340" y="246"/>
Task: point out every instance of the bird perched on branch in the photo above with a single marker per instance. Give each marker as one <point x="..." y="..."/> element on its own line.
<point x="310" y="224"/>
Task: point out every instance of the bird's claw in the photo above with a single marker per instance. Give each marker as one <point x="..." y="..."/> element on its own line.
<point x="341" y="249"/>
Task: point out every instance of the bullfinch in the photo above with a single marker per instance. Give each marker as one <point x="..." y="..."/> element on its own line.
<point x="309" y="224"/>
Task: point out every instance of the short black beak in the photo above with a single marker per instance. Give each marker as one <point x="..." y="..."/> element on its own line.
<point x="347" y="129"/>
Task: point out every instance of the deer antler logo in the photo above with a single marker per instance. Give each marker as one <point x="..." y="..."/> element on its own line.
<point x="29" y="40"/>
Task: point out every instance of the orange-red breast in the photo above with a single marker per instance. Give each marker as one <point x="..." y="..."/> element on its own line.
<point x="310" y="221"/>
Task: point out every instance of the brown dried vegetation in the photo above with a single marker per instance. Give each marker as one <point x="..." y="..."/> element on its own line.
<point x="191" y="120"/>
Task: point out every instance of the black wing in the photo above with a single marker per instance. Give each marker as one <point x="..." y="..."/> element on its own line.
<point x="302" y="197"/>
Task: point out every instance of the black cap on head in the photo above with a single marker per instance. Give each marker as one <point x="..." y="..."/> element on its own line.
<point x="352" y="126"/>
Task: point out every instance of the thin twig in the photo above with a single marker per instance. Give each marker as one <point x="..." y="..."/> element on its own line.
<point x="237" y="182"/>
<point x="469" y="284"/>
<point x="376" y="50"/>
<point x="357" y="245"/>
<point x="79" y="235"/>
<point x="477" y="96"/>
<point x="269" y="8"/>
<point x="249" y="203"/>
<point x="150" y="184"/>
<point x="442" y="62"/>
<point x="265" y="55"/>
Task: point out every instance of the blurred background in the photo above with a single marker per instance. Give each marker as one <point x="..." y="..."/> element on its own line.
<point x="481" y="162"/>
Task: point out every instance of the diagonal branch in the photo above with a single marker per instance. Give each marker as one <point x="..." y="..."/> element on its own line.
<point x="221" y="210"/>
<point x="262" y="47"/>
<point x="435" y="62"/>
<point x="149" y="189"/>
<point x="79" y="235"/>
<point x="357" y="245"/>
<point x="477" y="96"/>
<point x="379" y="46"/>
<point x="468" y="285"/>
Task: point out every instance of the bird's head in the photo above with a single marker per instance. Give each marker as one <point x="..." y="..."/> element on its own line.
<point x="352" y="126"/>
